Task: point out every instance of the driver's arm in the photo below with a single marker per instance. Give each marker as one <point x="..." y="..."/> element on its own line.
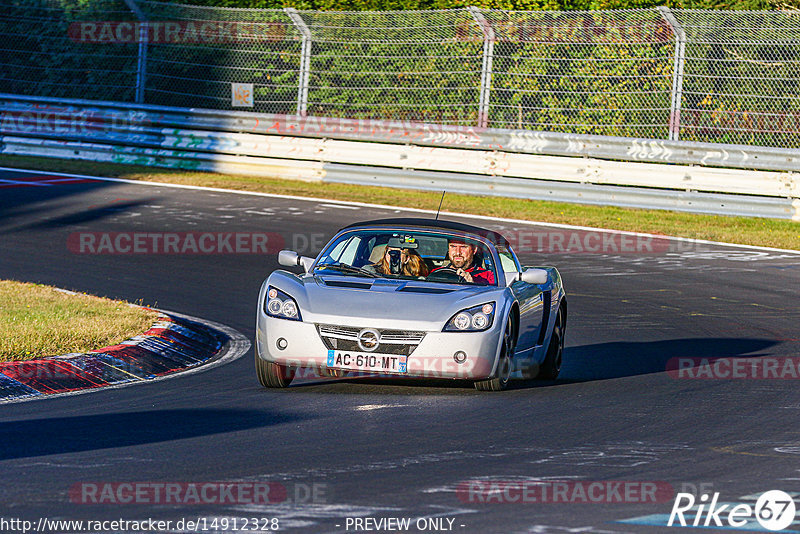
<point x="465" y="275"/>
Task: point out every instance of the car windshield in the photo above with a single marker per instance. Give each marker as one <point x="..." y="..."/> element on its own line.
<point x="409" y="255"/>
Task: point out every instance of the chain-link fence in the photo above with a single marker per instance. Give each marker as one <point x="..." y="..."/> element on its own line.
<point x="713" y="76"/>
<point x="40" y="54"/>
<point x="741" y="77"/>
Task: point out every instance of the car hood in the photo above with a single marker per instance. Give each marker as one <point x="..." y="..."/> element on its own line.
<point x="374" y="302"/>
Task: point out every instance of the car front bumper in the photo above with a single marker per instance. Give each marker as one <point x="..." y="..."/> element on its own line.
<point x="433" y="357"/>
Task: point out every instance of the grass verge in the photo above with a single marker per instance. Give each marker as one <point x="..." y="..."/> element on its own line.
<point x="38" y="321"/>
<point x="743" y="230"/>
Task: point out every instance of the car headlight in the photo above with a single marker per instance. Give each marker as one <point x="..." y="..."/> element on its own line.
<point x="279" y="304"/>
<point x="473" y="319"/>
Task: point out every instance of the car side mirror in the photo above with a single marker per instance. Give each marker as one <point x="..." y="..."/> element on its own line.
<point x="534" y="276"/>
<point x="290" y="258"/>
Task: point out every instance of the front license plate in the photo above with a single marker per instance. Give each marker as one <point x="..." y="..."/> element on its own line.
<point x="358" y="361"/>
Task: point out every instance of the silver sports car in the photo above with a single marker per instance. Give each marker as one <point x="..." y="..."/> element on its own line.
<point x="418" y="298"/>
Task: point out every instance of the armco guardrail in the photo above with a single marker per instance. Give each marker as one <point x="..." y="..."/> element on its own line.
<point x="318" y="148"/>
<point x="120" y="115"/>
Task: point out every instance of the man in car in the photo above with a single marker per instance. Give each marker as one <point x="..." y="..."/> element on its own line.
<point x="461" y="256"/>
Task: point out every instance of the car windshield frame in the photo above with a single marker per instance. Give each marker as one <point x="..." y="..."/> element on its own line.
<point x="487" y="244"/>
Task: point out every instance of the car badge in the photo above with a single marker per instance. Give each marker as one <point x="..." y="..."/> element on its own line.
<point x="369" y="339"/>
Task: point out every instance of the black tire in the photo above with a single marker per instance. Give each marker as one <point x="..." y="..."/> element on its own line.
<point x="273" y="375"/>
<point x="551" y="366"/>
<point x="500" y="382"/>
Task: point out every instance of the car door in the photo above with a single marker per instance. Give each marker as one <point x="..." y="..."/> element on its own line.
<point x="529" y="296"/>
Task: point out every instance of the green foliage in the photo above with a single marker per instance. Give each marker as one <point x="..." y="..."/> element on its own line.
<point x="584" y="73"/>
<point x="591" y="71"/>
<point x="742" y="89"/>
<point x="522" y="5"/>
<point x="42" y="54"/>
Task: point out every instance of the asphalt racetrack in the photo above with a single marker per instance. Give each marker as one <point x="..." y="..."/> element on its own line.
<point x="336" y="450"/>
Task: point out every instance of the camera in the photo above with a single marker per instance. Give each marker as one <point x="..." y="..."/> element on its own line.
<point x="394" y="261"/>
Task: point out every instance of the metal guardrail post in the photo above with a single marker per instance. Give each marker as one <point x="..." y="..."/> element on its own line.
<point x="677" y="75"/>
<point x="486" y="67"/>
<point x="305" y="60"/>
<point x="141" y="60"/>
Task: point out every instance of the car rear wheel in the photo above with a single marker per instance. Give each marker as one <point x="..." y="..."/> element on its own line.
<point x="500" y="382"/>
<point x="273" y="375"/>
<point x="551" y="366"/>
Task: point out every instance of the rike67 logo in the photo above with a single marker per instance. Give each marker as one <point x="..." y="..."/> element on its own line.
<point x="774" y="510"/>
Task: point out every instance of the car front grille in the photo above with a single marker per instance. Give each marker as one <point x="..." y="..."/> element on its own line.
<point x="401" y="342"/>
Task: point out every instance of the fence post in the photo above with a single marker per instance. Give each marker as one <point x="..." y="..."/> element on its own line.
<point x="486" y="67"/>
<point x="677" y="75"/>
<point x="305" y="60"/>
<point x="141" y="59"/>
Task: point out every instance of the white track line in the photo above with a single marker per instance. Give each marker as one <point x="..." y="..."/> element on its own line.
<point x="415" y="210"/>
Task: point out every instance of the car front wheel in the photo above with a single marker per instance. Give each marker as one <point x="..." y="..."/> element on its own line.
<point x="500" y="382"/>
<point x="273" y="375"/>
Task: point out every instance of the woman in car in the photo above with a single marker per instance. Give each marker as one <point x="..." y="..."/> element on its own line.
<point x="400" y="258"/>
